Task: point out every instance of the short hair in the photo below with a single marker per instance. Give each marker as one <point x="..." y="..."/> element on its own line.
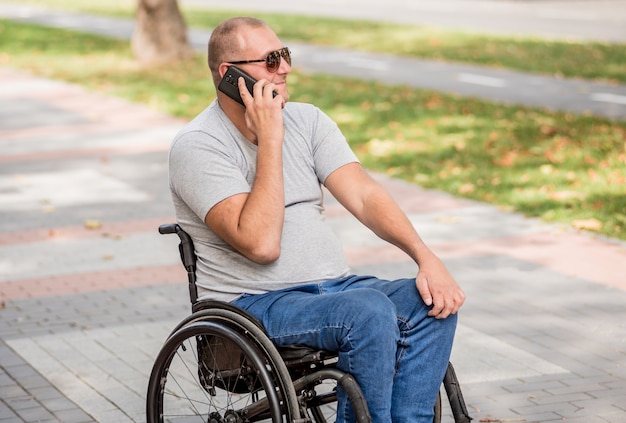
<point x="225" y="42"/>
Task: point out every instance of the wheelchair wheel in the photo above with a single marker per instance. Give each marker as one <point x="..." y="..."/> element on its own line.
<point x="318" y="394"/>
<point x="315" y="393"/>
<point x="211" y="372"/>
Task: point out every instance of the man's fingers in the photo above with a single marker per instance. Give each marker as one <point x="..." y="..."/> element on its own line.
<point x="442" y="305"/>
<point x="261" y="89"/>
<point x="268" y="89"/>
<point x="243" y="91"/>
<point x="439" y="309"/>
<point x="449" y="305"/>
<point x="424" y="290"/>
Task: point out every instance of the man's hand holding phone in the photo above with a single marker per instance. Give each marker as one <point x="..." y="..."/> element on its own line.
<point x="263" y="106"/>
<point x="229" y="84"/>
<point x="263" y="111"/>
<point x="262" y="90"/>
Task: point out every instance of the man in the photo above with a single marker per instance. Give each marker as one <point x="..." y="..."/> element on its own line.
<point x="245" y="183"/>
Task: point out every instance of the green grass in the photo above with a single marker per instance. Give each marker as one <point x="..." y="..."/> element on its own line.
<point x="560" y="167"/>
<point x="606" y="61"/>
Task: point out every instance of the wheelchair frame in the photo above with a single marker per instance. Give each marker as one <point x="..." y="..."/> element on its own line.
<point x="279" y="384"/>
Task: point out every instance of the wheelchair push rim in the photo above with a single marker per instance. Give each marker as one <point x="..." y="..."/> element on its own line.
<point x="176" y="392"/>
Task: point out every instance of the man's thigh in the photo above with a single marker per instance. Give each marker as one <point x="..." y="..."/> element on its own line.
<point x="402" y="293"/>
<point x="316" y="318"/>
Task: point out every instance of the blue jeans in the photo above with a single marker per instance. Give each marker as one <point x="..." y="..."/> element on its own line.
<point x="381" y="331"/>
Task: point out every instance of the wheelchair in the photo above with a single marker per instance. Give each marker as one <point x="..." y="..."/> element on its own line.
<point x="219" y="366"/>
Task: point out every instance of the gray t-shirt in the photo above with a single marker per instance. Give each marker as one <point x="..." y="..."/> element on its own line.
<point x="210" y="161"/>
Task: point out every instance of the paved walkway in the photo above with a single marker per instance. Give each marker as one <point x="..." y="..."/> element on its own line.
<point x="596" y="20"/>
<point x="86" y="308"/>
<point x="89" y="290"/>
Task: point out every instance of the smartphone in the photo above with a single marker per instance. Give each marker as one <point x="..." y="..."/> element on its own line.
<point x="229" y="85"/>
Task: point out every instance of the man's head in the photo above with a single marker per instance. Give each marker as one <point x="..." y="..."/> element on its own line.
<point x="247" y="39"/>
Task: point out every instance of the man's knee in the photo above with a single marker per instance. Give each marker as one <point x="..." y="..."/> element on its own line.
<point x="372" y="310"/>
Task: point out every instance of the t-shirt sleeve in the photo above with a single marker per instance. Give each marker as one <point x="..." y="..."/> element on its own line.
<point x="330" y="147"/>
<point x="203" y="172"/>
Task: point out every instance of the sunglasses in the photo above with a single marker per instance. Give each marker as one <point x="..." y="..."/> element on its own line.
<point x="272" y="61"/>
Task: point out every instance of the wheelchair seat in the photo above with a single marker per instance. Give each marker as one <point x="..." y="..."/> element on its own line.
<point x="295" y="356"/>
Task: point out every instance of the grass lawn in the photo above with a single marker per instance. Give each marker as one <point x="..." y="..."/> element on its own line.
<point x="605" y="61"/>
<point x="561" y="167"/>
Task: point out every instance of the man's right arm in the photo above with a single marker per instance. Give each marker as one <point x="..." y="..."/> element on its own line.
<point x="252" y="222"/>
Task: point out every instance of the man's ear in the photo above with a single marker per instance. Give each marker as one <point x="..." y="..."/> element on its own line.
<point x="222" y="69"/>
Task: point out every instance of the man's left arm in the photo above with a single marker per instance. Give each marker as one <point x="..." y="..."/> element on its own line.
<point x="369" y="202"/>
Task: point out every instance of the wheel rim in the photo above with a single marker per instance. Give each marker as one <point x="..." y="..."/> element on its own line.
<point x="178" y="391"/>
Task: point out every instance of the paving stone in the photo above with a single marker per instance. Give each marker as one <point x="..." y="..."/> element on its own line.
<point x="58" y="404"/>
<point x="6" y="412"/>
<point x="36" y="414"/>
<point x="74" y="416"/>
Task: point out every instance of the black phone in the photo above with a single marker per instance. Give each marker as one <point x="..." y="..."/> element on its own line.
<point x="229" y="85"/>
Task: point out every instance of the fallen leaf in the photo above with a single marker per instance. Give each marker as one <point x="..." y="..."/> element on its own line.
<point x="449" y="219"/>
<point x="546" y="169"/>
<point x="507" y="159"/>
<point x="92" y="224"/>
<point x="565" y="195"/>
<point x="112" y="236"/>
<point x="380" y="148"/>
<point x="466" y="188"/>
<point x="587" y="224"/>
<point x="548" y="130"/>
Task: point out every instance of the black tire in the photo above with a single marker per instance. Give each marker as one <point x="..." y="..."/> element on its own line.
<point x="208" y="371"/>
<point x="318" y="394"/>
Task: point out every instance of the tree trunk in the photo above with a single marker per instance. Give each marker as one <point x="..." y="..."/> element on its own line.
<point x="160" y="34"/>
